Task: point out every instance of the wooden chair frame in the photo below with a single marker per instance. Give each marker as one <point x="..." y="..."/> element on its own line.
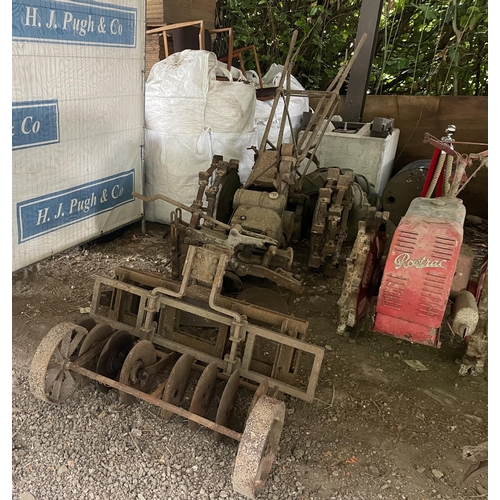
<point x="232" y="53"/>
<point x="169" y="27"/>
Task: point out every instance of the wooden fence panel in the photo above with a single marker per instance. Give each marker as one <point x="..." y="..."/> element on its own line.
<point x="416" y="115"/>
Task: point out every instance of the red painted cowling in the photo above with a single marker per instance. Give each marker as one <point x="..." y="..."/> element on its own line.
<point x="419" y="270"/>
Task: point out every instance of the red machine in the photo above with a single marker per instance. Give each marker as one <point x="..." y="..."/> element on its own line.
<point x="419" y="270"/>
<point x="427" y="267"/>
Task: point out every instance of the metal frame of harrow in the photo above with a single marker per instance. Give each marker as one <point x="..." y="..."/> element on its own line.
<point x="231" y="314"/>
<point x="151" y="313"/>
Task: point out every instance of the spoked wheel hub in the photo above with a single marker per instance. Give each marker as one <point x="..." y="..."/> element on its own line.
<point x="50" y="378"/>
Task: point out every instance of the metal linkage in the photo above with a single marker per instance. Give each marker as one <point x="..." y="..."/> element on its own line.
<point x="226" y="332"/>
<point x="364" y="270"/>
<point x="329" y="225"/>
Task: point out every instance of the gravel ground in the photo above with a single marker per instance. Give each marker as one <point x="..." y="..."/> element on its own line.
<point x="376" y="430"/>
<point x="93" y="447"/>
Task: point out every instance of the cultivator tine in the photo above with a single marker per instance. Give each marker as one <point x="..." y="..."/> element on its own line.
<point x="331" y="215"/>
<point x="364" y="267"/>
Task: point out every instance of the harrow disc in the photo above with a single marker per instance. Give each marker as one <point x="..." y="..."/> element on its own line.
<point x="50" y="379"/>
<point x="113" y="355"/>
<point x="177" y="383"/>
<point x="142" y="355"/>
<point x="258" y="446"/>
<point x="227" y="402"/>
<point x="261" y="391"/>
<point x="96" y="335"/>
<point x="87" y="322"/>
<point x="203" y="393"/>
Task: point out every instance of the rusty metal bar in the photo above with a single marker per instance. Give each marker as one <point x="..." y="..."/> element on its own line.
<point x="252" y="311"/>
<point x="443" y="146"/>
<point x="155" y="401"/>
<point x="179" y="205"/>
<point x="279" y="338"/>
<point x="183" y="349"/>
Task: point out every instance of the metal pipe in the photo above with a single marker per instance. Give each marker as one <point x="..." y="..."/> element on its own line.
<point x="239" y="322"/>
<point x="180" y="205"/>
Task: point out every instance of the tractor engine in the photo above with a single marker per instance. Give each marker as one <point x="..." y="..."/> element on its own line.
<point x="419" y="270"/>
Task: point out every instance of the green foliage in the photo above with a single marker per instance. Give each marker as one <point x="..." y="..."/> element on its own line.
<point x="424" y="47"/>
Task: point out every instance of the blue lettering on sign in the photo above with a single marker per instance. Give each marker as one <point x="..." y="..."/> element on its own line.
<point x="81" y="23"/>
<point x="50" y="212"/>
<point x="34" y="123"/>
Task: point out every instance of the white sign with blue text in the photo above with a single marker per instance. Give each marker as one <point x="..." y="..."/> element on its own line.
<point x="77" y="122"/>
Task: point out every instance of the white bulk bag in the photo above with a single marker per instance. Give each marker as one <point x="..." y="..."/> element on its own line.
<point x="190" y="117"/>
<point x="172" y="167"/>
<point x="230" y="107"/>
<point x="176" y="92"/>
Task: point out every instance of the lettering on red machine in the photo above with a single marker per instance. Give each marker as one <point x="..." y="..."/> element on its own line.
<point x="403" y="260"/>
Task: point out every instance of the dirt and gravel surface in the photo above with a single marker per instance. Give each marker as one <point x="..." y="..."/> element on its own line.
<point x="376" y="430"/>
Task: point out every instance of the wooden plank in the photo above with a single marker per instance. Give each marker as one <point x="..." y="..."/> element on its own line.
<point x="417" y="115"/>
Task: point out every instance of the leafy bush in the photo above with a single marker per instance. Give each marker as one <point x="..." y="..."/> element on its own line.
<point x="425" y="47"/>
